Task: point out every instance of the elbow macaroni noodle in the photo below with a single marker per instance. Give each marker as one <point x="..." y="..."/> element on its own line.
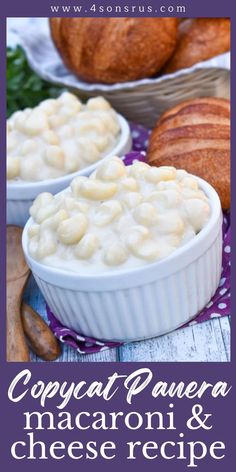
<point x="119" y="217"/>
<point x="58" y="137"/>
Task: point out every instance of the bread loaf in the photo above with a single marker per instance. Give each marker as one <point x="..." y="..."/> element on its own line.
<point x="195" y="136"/>
<point x="199" y="39"/>
<point x="113" y="50"/>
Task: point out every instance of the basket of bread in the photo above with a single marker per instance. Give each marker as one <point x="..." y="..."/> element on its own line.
<point x="141" y="65"/>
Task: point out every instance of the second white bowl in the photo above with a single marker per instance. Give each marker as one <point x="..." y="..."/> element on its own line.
<point x="21" y="194"/>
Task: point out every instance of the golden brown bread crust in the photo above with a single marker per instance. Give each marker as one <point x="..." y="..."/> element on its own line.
<point x="195" y="136"/>
<point x="199" y="39"/>
<point x="113" y="50"/>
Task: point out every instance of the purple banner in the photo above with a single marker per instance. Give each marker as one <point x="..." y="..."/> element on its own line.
<point x="154" y="404"/>
<point x="109" y="8"/>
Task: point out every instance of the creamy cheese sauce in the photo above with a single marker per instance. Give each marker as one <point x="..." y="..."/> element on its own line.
<point x="58" y="137"/>
<point x="119" y="217"/>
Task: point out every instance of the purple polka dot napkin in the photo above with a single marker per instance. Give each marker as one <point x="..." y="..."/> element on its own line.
<point x="217" y="307"/>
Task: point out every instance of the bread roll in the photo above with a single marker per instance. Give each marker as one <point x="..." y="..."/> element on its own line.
<point x="113" y="50"/>
<point x="199" y="39"/>
<point x="195" y="136"/>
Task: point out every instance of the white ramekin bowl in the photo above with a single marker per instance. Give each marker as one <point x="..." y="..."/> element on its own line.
<point x="143" y="302"/>
<point x="20" y="195"/>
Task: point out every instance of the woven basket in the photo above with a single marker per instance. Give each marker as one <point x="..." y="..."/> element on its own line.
<point x="141" y="101"/>
<point x="145" y="103"/>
